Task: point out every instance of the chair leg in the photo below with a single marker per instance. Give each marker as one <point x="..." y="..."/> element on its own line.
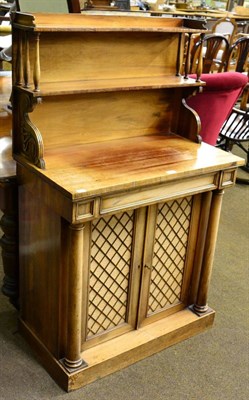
<point x="228" y="145"/>
<point x="242" y="181"/>
<point x="245" y="167"/>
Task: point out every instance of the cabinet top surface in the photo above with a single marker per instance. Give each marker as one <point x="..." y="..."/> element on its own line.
<point x="76" y="22"/>
<point x="129" y="164"/>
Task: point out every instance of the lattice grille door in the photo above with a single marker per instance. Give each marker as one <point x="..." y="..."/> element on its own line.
<point x="110" y="265"/>
<point x="172" y="229"/>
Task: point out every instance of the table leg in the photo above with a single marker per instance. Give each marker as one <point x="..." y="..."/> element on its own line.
<point x="9" y="240"/>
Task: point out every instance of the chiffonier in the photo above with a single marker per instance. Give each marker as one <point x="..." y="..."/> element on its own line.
<point x="119" y="200"/>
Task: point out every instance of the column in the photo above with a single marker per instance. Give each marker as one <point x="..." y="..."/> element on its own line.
<point x="73" y="358"/>
<point x="201" y="305"/>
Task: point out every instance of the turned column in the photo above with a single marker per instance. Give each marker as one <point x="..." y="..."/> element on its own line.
<point x="73" y="358"/>
<point x="9" y="240"/>
<point x="202" y="232"/>
<point x="201" y="305"/>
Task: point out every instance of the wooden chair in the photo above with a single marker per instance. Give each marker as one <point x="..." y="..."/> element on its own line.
<point x="238" y="57"/>
<point x="226" y="27"/>
<point x="235" y="130"/>
<point x="214" y="49"/>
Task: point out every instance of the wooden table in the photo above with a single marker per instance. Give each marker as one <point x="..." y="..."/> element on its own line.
<point x="204" y="13"/>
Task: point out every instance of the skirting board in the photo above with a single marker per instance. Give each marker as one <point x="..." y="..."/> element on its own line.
<point x="122" y="351"/>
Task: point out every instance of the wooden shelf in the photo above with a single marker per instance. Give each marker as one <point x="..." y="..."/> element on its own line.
<point x="103" y="23"/>
<point x="112" y="85"/>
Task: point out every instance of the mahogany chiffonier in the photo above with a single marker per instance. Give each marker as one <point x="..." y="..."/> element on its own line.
<point x="119" y="200"/>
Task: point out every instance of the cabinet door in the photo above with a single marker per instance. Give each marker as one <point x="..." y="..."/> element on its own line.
<point x="168" y="258"/>
<point x="115" y="247"/>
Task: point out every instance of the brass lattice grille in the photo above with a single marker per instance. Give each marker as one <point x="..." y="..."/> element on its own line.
<point x="172" y="228"/>
<point x="109" y="272"/>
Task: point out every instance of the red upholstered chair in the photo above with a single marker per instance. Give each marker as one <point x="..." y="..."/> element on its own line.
<point x="215" y="102"/>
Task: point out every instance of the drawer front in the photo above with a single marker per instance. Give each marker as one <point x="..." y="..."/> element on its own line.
<point x="91" y="209"/>
<point x="158" y="193"/>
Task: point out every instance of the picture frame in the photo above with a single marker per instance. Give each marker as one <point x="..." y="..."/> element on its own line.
<point x="49" y="6"/>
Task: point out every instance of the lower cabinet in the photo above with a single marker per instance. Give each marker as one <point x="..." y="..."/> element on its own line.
<point x="101" y="294"/>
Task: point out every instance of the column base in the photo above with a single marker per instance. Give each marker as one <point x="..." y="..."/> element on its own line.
<point x="200" y="310"/>
<point x="71" y="366"/>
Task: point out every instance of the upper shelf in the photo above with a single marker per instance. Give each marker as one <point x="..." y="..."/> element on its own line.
<point x="76" y="22"/>
<point x="112" y="85"/>
<point x="122" y="59"/>
<point x="92" y="53"/>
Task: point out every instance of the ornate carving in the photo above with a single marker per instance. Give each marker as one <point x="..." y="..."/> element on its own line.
<point x="32" y="143"/>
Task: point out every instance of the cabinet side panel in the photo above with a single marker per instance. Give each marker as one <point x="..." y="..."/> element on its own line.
<point x="40" y="243"/>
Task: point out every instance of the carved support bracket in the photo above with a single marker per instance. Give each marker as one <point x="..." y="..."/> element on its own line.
<point x="28" y="139"/>
<point x="189" y="124"/>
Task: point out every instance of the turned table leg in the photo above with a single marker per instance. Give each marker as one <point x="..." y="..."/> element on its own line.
<point x="201" y="305"/>
<point x="9" y="240"/>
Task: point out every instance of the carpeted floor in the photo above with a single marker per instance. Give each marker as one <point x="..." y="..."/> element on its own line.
<point x="211" y="366"/>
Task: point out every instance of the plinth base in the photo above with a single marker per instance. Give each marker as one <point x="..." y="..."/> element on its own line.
<point x="118" y="353"/>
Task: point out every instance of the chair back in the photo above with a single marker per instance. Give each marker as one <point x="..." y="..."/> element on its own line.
<point x="49" y="6"/>
<point x="236" y="127"/>
<point x="215" y="102"/>
<point x="238" y="58"/>
<point x="214" y="48"/>
<point x="226" y="27"/>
